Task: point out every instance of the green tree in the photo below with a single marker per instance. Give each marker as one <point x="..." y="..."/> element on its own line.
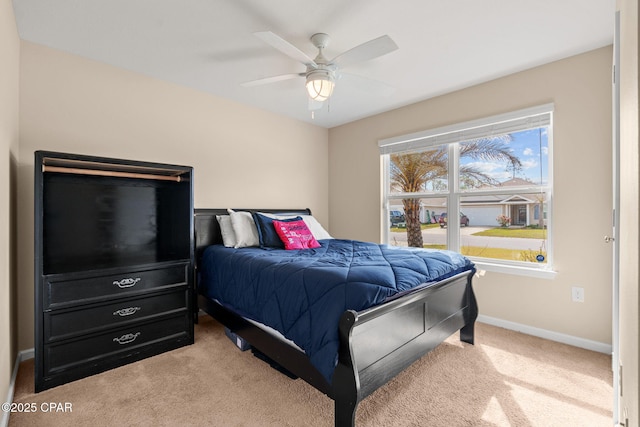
<point x="414" y="172"/>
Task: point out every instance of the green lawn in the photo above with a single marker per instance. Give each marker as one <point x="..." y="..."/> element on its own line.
<point x="526" y="233"/>
<point x="497" y="253"/>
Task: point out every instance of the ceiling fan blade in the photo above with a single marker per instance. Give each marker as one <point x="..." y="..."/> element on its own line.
<point x="366" y="51"/>
<point x="285" y="47"/>
<point x="272" y="79"/>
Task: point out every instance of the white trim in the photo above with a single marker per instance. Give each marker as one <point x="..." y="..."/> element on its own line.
<point x="615" y="277"/>
<point x="27" y="354"/>
<point x="548" y="335"/>
<point x="511" y="268"/>
<point x="21" y="357"/>
<point x="513" y="121"/>
<point x="386" y="222"/>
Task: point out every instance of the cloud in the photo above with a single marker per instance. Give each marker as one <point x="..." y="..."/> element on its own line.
<point x="530" y="152"/>
<point x="495" y="170"/>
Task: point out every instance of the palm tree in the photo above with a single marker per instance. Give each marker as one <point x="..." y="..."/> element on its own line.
<point x="411" y="173"/>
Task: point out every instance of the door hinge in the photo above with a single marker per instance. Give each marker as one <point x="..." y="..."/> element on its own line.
<point x="620" y="380"/>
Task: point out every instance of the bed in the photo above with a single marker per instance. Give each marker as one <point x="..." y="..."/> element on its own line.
<point x="372" y="345"/>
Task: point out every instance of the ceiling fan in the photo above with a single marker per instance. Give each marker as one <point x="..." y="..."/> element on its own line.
<point x="321" y="73"/>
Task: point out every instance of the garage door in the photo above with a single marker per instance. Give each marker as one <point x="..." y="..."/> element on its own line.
<point x="482" y="215"/>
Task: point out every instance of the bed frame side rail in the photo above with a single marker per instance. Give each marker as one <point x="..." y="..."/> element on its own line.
<point x="288" y="357"/>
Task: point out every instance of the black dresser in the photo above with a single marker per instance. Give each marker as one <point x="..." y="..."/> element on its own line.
<point x="113" y="263"/>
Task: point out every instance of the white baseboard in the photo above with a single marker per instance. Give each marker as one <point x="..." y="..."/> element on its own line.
<point x="549" y="335"/>
<point x="22" y="356"/>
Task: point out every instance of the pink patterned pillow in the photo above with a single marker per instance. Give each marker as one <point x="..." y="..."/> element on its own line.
<point x="295" y="235"/>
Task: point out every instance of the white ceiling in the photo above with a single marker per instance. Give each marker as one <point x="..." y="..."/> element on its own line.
<point x="444" y="45"/>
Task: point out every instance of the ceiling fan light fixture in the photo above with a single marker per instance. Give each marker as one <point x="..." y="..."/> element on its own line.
<point x="320" y="84"/>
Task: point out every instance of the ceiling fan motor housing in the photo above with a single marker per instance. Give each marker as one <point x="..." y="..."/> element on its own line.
<point x="320" y="40"/>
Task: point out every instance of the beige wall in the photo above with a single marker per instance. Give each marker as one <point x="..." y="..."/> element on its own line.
<point x="242" y="157"/>
<point x="629" y="207"/>
<point x="9" y="78"/>
<point x="580" y="87"/>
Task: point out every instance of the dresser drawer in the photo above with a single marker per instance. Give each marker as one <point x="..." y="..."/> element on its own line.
<point x="66" y="292"/>
<point x="119" y="343"/>
<point x="62" y="324"/>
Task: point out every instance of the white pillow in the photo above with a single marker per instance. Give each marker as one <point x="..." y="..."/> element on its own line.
<point x="312" y="223"/>
<point x="226" y="228"/>
<point x="244" y="228"/>
<point x="316" y="228"/>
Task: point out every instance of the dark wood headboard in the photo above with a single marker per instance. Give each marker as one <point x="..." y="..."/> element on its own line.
<point x="207" y="229"/>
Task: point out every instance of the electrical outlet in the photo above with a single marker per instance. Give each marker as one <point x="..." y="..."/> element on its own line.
<point x="577" y="294"/>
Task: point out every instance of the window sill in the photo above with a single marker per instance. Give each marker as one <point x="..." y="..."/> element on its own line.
<point x="517" y="270"/>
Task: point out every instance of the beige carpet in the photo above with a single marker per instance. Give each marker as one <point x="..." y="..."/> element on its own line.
<point x="506" y="379"/>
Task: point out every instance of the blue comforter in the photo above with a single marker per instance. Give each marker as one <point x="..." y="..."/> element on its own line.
<point x="303" y="293"/>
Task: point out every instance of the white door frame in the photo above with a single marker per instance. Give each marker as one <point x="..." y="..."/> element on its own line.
<point x="615" y="238"/>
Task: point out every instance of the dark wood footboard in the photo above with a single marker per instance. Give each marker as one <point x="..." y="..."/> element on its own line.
<point x="375" y="344"/>
<point x="379" y="343"/>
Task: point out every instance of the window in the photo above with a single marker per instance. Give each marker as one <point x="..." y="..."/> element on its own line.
<point x="493" y="175"/>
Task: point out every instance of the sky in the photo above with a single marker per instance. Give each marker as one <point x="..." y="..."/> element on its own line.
<point x="531" y="147"/>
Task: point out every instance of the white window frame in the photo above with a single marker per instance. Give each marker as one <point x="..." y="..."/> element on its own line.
<point x="529" y="118"/>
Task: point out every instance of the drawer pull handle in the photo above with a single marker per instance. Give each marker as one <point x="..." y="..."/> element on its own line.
<point x="126" y="283"/>
<point x="126" y="311"/>
<point x="127" y="338"/>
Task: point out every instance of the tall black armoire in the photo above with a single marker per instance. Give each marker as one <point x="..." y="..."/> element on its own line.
<point x="113" y="263"/>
